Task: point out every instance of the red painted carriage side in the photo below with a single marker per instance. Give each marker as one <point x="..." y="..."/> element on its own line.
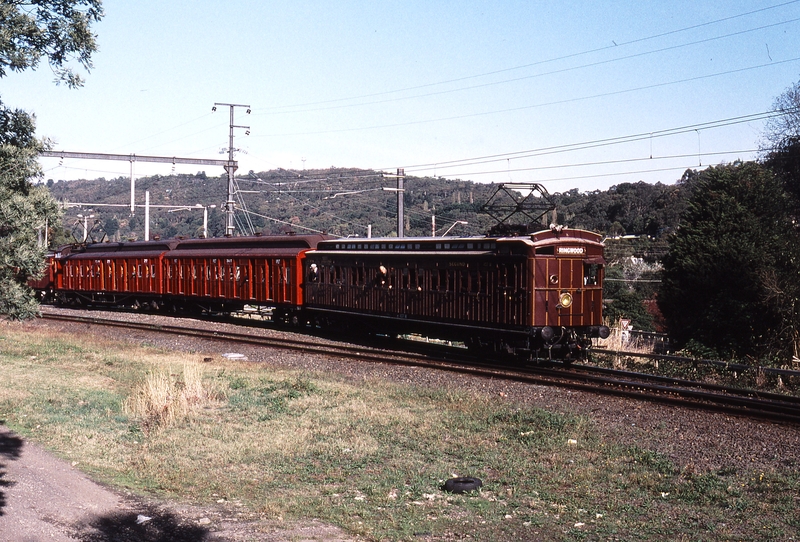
<point x="567" y="263"/>
<point x="260" y="270"/>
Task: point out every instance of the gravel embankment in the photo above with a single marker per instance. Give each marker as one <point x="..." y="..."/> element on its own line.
<point x="695" y="440"/>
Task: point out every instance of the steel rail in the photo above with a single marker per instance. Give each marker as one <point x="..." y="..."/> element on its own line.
<point x="676" y="392"/>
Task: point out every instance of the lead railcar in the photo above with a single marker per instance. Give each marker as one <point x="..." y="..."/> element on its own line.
<point x="537" y="295"/>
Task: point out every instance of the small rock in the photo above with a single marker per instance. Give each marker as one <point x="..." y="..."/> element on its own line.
<point x="204" y="521"/>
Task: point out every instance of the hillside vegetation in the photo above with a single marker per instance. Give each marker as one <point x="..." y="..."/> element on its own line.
<point x="345" y="201"/>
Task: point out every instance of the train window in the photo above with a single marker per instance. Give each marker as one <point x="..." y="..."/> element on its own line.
<point x="139" y="270"/>
<point x="590" y="274"/>
<point x="153" y="270"/>
<point x="474" y="281"/>
<point x="313" y="273"/>
<point x="547" y="251"/>
<point x="413" y="279"/>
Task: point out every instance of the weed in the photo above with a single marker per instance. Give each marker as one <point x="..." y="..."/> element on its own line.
<point x="370" y="458"/>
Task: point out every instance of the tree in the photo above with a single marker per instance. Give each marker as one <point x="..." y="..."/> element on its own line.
<point x="783" y="129"/>
<point x="58" y="30"/>
<point x="781" y="154"/>
<point x="718" y="281"/>
<point x="25" y="210"/>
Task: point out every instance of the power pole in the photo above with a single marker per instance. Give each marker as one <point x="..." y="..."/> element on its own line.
<point x="401" y="176"/>
<point x="230" y="168"/>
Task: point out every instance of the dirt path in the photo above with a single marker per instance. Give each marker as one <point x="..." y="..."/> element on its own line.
<point x="45" y="498"/>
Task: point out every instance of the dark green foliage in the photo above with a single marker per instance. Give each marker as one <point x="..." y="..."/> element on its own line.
<point x="725" y="262"/>
<point x="24" y="211"/>
<point x="59" y="31"/>
<point x="628" y="208"/>
<point x="625" y="301"/>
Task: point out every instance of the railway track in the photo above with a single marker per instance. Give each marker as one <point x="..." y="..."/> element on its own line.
<point x="639" y="386"/>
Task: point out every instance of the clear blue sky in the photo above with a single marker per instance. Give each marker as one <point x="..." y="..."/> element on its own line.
<point x="420" y="84"/>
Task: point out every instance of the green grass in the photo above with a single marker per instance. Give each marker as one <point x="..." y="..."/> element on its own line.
<point x="370" y="456"/>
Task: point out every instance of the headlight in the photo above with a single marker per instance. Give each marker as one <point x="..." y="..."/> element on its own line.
<point x="565" y="300"/>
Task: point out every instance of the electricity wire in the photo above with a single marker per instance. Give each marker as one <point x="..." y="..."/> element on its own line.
<point x="537" y="63"/>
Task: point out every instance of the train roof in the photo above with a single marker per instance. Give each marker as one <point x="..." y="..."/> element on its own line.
<point x="253" y="242"/>
<point x="223" y="246"/>
<point x="537" y="241"/>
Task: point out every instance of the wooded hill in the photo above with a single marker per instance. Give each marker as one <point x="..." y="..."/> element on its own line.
<point x="344" y="201"/>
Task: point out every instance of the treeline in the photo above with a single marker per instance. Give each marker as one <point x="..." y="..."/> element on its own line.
<point x="344" y="202"/>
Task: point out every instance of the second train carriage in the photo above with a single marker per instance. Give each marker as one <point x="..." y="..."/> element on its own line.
<point x="189" y="276"/>
<point x="538" y="295"/>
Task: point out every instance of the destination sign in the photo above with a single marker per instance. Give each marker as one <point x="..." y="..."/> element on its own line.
<point x="572" y="250"/>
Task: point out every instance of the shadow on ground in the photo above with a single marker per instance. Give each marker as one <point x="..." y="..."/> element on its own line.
<point x="151" y="525"/>
<point x="10" y="449"/>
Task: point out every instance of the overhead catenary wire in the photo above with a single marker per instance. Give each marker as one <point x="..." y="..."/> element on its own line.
<point x="569" y="147"/>
<point x="544" y="74"/>
<point x="537" y="63"/>
<point x="532" y="106"/>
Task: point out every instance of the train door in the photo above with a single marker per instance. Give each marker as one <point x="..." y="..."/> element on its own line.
<point x="111" y="277"/>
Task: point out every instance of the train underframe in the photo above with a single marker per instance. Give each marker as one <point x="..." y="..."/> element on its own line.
<point x="531" y="343"/>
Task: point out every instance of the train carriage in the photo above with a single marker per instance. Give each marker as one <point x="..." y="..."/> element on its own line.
<point x="109" y="273"/>
<point x="189" y="276"/>
<point x="539" y="294"/>
<point x="227" y="274"/>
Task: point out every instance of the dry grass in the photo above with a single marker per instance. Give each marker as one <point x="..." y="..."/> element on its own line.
<point x="164" y="397"/>
<point x="369" y="456"/>
<point x="620" y="343"/>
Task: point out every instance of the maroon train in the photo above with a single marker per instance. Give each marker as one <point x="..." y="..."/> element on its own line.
<point x="537" y="295"/>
